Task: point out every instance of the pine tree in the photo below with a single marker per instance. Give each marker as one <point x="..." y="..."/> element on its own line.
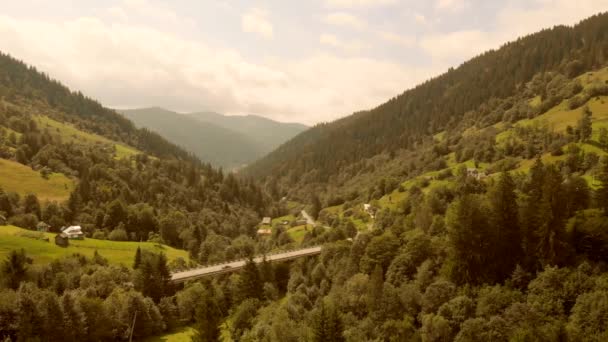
<point x="584" y="125"/>
<point x="507" y="239"/>
<point x="376" y="284"/>
<point x="250" y="284"/>
<point x="601" y="194"/>
<point x="326" y="325"/>
<point x="137" y="260"/>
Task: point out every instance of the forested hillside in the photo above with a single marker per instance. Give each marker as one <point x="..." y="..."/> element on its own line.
<point x="223" y="141"/>
<point x="477" y="93"/>
<point x="76" y="162"/>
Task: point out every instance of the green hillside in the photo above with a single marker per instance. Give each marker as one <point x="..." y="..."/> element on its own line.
<point x="211" y="143"/>
<point x="15" y="177"/>
<point x="42" y="252"/>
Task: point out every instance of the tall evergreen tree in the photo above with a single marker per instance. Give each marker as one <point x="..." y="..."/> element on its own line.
<point x="250" y="284"/>
<point x="326" y="324"/>
<point x="505" y="222"/>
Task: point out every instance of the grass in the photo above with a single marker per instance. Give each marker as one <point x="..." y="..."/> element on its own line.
<point x="279" y="220"/>
<point x="41" y="252"/>
<point x="70" y="133"/>
<point x="22" y="179"/>
<point x="183" y="334"/>
<point x="297" y="233"/>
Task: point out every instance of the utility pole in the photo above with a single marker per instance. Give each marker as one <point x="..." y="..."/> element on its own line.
<point x="132" y="327"/>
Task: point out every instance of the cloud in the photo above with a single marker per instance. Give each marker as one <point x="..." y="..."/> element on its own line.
<point x="394" y="38"/>
<point x="359" y="3"/>
<point x="345" y="20"/>
<point x="451" y="5"/>
<point x="419" y="18"/>
<point x="256" y="21"/>
<point x="125" y="65"/>
<point x="346" y="46"/>
<point x="457" y="46"/>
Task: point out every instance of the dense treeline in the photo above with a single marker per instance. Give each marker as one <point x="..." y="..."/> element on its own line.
<point x="519" y="257"/>
<point x="24" y="84"/>
<point x="165" y="196"/>
<point x="456" y="98"/>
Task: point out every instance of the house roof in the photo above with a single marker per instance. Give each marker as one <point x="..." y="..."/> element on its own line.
<point x="74" y="230"/>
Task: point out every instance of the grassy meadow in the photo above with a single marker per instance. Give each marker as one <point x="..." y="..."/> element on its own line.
<point x="22" y="179"/>
<point x="41" y="252"/>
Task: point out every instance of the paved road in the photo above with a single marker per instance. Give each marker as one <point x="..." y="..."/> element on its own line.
<point x="237" y="265"/>
<point x="308" y="218"/>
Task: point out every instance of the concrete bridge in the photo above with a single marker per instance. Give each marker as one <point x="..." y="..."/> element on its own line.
<point x="233" y="266"/>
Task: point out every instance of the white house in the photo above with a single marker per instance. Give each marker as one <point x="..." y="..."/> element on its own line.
<point x="266" y="220"/>
<point x="73" y="232"/>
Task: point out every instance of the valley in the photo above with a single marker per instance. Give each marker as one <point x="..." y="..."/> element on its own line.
<point x="471" y="207"/>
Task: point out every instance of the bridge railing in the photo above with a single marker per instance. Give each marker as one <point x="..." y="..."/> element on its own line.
<point x="245" y="259"/>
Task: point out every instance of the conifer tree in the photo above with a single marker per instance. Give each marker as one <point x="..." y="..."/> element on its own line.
<point x="505" y="223"/>
<point x="326" y="325"/>
<point x="137" y="260"/>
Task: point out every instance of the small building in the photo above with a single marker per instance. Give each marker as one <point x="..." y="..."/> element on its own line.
<point x="73" y="232"/>
<point x="266" y="220"/>
<point x="265" y="231"/>
<point x="475" y="173"/>
<point x="62" y="240"/>
<point x="42" y="227"/>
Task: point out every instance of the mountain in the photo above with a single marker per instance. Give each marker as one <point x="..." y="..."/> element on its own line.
<point x="227" y="141"/>
<point x="443" y="116"/>
<point x="268" y="134"/>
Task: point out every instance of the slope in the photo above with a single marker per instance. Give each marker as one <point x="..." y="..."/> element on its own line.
<point x="211" y="143"/>
<point x="329" y="155"/>
<point x="269" y="134"/>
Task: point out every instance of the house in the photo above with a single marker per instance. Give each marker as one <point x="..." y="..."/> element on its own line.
<point x="475" y="173"/>
<point x="369" y="209"/>
<point x="62" y="240"/>
<point x="73" y="232"/>
<point x="264" y="231"/>
<point x="266" y="220"/>
<point x="42" y="227"/>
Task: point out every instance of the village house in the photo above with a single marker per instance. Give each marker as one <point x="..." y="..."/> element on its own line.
<point x="73" y="232"/>
<point x="476" y="173"/>
<point x="266" y="231"/>
<point x="43" y="227"/>
<point x="266" y="220"/>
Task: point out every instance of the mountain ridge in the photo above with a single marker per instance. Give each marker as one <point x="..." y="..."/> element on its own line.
<point x="222" y="140"/>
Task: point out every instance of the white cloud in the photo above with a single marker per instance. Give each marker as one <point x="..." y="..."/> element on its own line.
<point x="345" y="20"/>
<point x="359" y="3"/>
<point x="124" y="66"/>
<point x="118" y="13"/>
<point x="419" y="18"/>
<point x="346" y="46"/>
<point x="256" y="21"/>
<point x="394" y="38"/>
<point x="458" y="46"/>
<point x="451" y="5"/>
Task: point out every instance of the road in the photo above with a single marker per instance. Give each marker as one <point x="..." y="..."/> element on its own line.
<point x="239" y="264"/>
<point x="308" y="218"/>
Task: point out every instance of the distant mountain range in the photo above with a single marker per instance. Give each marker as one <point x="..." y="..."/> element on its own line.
<point x="222" y="140"/>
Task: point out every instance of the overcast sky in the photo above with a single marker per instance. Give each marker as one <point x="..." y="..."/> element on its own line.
<point x="289" y="60"/>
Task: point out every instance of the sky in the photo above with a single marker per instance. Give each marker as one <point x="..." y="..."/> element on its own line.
<point x="294" y="61"/>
